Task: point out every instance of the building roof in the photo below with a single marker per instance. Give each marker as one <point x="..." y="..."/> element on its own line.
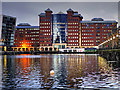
<point x="23" y="24"/>
<point x="27" y="26"/>
<point x="41" y="14"/>
<point x="112" y="21"/>
<point x="76" y="14"/>
<point x="60" y="12"/>
<point x="48" y="10"/>
<point x="9" y="16"/>
<point x="69" y="10"/>
<point x="97" y="19"/>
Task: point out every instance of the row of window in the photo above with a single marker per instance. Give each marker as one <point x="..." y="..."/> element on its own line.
<point x="97" y="27"/>
<point x="45" y="27"/>
<point x="45" y="41"/>
<point x="32" y="29"/>
<point x="72" y="23"/>
<point x="87" y="40"/>
<point x="106" y="30"/>
<point x="72" y="44"/>
<point x="45" y="19"/>
<point x="20" y="32"/>
<point x="27" y="42"/>
<point x="98" y="24"/>
<point x="107" y="27"/>
<point x="96" y="30"/>
<point x="87" y="37"/>
<point x="72" y="30"/>
<point x="31" y="35"/>
<point x="59" y="27"/>
<point x="72" y="26"/>
<point x="87" y="44"/>
<point x="45" y="37"/>
<point x="72" y="40"/>
<point x="31" y="42"/>
<point x="32" y="32"/>
<point x="34" y="38"/>
<point x="46" y="34"/>
<point x="58" y="23"/>
<point x="44" y="44"/>
<point x="87" y="27"/>
<point x="27" y="29"/>
<point x="73" y="37"/>
<point x="72" y="33"/>
<point x="26" y="45"/>
<point x="97" y="40"/>
<point x="45" y="30"/>
<point x="44" y="23"/>
<point x="87" y="34"/>
<point x="87" y="30"/>
<point x="20" y="29"/>
<point x="97" y="37"/>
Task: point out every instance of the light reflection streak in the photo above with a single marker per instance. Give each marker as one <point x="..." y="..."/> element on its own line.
<point x="69" y="70"/>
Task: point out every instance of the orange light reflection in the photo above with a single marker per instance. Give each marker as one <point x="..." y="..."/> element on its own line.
<point x="25" y="45"/>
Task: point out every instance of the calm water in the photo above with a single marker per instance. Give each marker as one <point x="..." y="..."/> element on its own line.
<point x="70" y="71"/>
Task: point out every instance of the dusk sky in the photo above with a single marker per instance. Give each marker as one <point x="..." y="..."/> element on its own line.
<point x="27" y="12"/>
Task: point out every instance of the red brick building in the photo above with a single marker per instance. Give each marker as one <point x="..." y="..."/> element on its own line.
<point x="45" y="28"/>
<point x="26" y="35"/>
<point x="73" y="22"/>
<point x="60" y="31"/>
<point x="95" y="31"/>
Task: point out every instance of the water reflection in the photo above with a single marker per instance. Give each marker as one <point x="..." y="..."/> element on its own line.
<point x="70" y="71"/>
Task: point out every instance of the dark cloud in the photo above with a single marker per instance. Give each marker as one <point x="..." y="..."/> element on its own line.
<point x="28" y="11"/>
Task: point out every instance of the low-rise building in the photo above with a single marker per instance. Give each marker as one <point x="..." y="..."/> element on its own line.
<point x="95" y="32"/>
<point x="26" y="36"/>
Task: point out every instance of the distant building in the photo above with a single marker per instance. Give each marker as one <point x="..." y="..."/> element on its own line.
<point x="26" y="36"/>
<point x="96" y="31"/>
<point x="8" y="31"/>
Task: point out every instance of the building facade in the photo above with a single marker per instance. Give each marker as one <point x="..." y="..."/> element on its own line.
<point x="73" y="27"/>
<point x="45" y="28"/>
<point x="60" y="30"/>
<point x="113" y="40"/>
<point x="26" y="36"/>
<point x="8" y="31"/>
<point x="96" y="31"/>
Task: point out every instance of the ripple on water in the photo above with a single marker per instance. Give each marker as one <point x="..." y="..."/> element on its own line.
<point x="71" y="71"/>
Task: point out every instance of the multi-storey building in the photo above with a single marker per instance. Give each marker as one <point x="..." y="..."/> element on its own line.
<point x="26" y="36"/>
<point x="73" y="22"/>
<point x="59" y="30"/>
<point x="8" y="30"/>
<point x="45" y="25"/>
<point x="95" y="32"/>
<point x="113" y="40"/>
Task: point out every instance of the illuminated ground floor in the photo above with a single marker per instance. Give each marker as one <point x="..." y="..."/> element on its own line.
<point x="54" y="47"/>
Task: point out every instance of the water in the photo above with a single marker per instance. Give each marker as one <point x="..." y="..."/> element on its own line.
<point x="71" y="71"/>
